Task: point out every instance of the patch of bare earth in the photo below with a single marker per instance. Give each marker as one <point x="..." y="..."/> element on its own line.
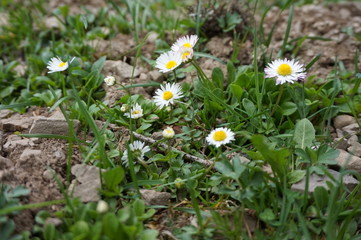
<point x="326" y="21"/>
<point x="31" y="162"/>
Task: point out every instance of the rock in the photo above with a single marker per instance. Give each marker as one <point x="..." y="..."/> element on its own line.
<point x="339" y="133"/>
<point x="343" y="120"/>
<point x="15" y="123"/>
<point x="48" y="175"/>
<point x="29" y="154"/>
<point x="52" y="126"/>
<point x="5" y="163"/>
<point x="351" y="129"/>
<point x="52" y="22"/>
<point x="352" y="139"/>
<point x="340" y="143"/>
<point x="20" y="69"/>
<point x="348" y="161"/>
<point x="53" y="221"/>
<point x="152" y="197"/>
<point x="16" y="141"/>
<point x="89" y="179"/>
<point x="156" y="76"/>
<point x="57" y="114"/>
<point x="120" y="70"/>
<point x="5" y="113"/>
<point x="115" y="48"/>
<point x="355" y="149"/>
<point x="322" y="180"/>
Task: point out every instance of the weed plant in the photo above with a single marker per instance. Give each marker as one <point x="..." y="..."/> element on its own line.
<point x="219" y="133"/>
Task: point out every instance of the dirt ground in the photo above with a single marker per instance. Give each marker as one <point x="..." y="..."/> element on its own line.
<point x="30" y="162"/>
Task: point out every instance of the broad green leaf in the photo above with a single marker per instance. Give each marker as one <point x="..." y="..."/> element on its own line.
<point x="236" y="90"/>
<point x="113" y="177"/>
<point x="231" y="70"/>
<point x="277" y="158"/>
<point x="49" y="232"/>
<point x="321" y="197"/>
<point x="267" y="215"/>
<point x="149" y="234"/>
<point x="295" y="176"/>
<point x="249" y="106"/>
<point x="98" y="65"/>
<point x="218" y="77"/>
<point x="288" y="108"/>
<point x="226" y="168"/>
<point x="304" y="134"/>
<point x="139" y="207"/>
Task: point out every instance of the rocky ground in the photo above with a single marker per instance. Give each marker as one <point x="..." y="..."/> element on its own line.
<point x="33" y="162"/>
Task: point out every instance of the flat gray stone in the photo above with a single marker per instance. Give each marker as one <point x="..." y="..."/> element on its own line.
<point x="15" y="141"/>
<point x="152" y="197"/>
<point x="343" y="120"/>
<point x="351" y="129"/>
<point x="119" y="69"/>
<point x="16" y="123"/>
<point x="348" y="161"/>
<point x="30" y="154"/>
<point x="88" y="182"/>
<point x="322" y="180"/>
<point x="355" y="149"/>
<point x="52" y="126"/>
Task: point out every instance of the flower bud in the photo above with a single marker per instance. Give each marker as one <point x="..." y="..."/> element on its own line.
<point x="102" y="206"/>
<point x="124" y="108"/>
<point x="179" y="183"/>
<point x="168" y="132"/>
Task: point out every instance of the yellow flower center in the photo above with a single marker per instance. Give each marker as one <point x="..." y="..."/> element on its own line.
<point x="171" y="64"/>
<point x="219" y="136"/>
<point x="284" y="69"/>
<point x="188" y="45"/>
<point x="62" y="64"/>
<point x="184" y="56"/>
<point x="168" y="131"/>
<point x="167" y="95"/>
<point x="136" y="112"/>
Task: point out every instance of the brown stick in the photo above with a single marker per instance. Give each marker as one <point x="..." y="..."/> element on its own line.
<point x="187" y="156"/>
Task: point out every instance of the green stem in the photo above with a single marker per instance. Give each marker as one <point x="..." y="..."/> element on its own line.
<point x="278" y="100"/>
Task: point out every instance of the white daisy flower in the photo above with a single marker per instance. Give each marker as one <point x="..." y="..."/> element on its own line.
<point x="168" y="61"/>
<point x="168" y="132"/>
<point x="220" y="136"/>
<point x="167" y="95"/>
<point x="135" y="112"/>
<point x="285" y="71"/>
<point x="186" y="41"/>
<point x="186" y="53"/>
<point x="138" y="150"/>
<point x="109" y="80"/>
<point x="57" y="65"/>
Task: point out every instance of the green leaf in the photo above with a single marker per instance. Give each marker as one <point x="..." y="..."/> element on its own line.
<point x="249" y="106"/>
<point x="267" y="215"/>
<point x="98" y="65"/>
<point x="149" y="234"/>
<point x="295" y="176"/>
<point x="218" y="77"/>
<point x="321" y="197"/>
<point x="49" y="232"/>
<point x="139" y="207"/>
<point x="110" y="225"/>
<point x="236" y="90"/>
<point x="113" y="177"/>
<point x="304" y="134"/>
<point x="226" y="169"/>
<point x="288" y="108"/>
<point x="277" y="158"/>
